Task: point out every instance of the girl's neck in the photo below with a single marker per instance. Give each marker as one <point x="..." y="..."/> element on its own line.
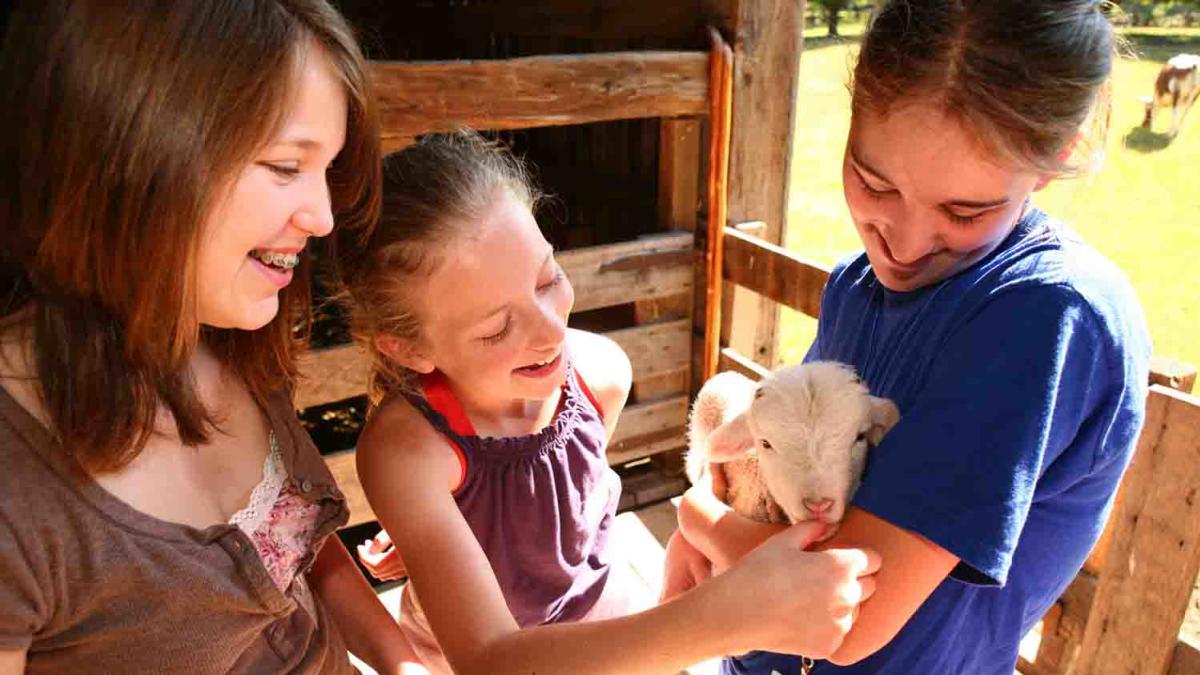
<point x="509" y="417"/>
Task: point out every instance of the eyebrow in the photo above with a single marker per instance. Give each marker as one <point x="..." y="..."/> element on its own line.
<point x="503" y="307"/>
<point x="960" y="203"/>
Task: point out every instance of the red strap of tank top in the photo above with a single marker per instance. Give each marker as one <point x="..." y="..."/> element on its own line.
<point x="441" y="399"/>
<point x="588" y="393"/>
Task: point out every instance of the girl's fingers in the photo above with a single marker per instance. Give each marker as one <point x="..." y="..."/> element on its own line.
<point x="868" y="587"/>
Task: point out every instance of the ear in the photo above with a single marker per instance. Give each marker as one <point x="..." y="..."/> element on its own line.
<point x="731" y="440"/>
<point x="1062" y="157"/>
<point x="884" y="416"/>
<point x="404" y="352"/>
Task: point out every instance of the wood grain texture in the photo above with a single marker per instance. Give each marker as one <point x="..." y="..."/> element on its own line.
<point x="423" y="96"/>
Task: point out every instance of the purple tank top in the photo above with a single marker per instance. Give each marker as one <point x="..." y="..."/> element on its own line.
<point x="540" y="505"/>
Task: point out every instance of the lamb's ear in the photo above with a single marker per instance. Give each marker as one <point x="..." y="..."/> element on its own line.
<point x="731" y="440"/>
<point x="884" y="416"/>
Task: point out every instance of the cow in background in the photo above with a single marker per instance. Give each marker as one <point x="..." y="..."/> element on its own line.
<point x="1177" y="85"/>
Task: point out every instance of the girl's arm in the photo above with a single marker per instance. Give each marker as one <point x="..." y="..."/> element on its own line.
<point x="915" y="565"/>
<point x="781" y="598"/>
<point x="12" y="662"/>
<point x="369" y="630"/>
<point x="714" y="529"/>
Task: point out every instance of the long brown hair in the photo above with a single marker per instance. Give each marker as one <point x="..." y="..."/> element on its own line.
<point x="433" y="189"/>
<point x="125" y="121"/>
<point x="1026" y="76"/>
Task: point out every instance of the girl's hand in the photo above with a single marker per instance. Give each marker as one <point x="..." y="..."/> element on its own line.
<point x="382" y="559"/>
<point x="683" y="568"/>
<point x="790" y="600"/>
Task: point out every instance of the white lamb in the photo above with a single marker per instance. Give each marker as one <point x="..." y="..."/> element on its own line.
<point x="792" y="447"/>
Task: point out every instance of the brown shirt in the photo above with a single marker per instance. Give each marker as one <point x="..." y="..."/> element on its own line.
<point x="90" y="585"/>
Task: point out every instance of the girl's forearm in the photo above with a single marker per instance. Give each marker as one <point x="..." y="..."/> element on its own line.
<point x="369" y="630"/>
<point x="665" y="639"/>
<point x="715" y="530"/>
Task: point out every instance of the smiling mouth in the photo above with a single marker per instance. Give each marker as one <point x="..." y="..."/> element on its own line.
<point x="279" y="261"/>
<point x="541" y="367"/>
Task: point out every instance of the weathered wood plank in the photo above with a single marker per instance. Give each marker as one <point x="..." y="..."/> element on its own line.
<point x="422" y="96"/>
<point x="642" y="420"/>
<point x="774" y="272"/>
<point x="678" y="174"/>
<point x="1154" y="555"/>
<point x="1172" y="373"/>
<point x="732" y="360"/>
<point x="1169" y="373"/>
<point x="331" y="374"/>
<point x="656" y="349"/>
<point x="671" y="20"/>
<point x="767" y="45"/>
<point x="614" y="274"/>
<point x="336" y="373"/>
<point x="341" y="465"/>
<point x="1186" y="659"/>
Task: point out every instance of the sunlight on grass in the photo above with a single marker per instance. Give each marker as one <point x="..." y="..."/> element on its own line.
<point x="1142" y="209"/>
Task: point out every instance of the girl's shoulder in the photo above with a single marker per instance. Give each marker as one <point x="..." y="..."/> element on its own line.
<point x="603" y="366"/>
<point x="398" y="434"/>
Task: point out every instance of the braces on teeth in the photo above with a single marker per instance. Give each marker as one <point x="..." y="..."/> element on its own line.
<point x="284" y="260"/>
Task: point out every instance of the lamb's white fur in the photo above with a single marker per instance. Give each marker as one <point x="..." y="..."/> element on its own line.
<point x="801" y="434"/>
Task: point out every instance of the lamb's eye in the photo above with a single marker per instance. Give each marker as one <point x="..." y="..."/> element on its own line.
<point x="766" y="445"/>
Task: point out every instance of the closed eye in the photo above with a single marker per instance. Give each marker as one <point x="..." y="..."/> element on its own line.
<point x="873" y="192"/>
<point x="500" y="335"/>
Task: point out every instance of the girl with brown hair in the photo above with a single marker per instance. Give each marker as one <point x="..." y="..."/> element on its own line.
<point x="162" y="167"/>
<point x="1017" y="354"/>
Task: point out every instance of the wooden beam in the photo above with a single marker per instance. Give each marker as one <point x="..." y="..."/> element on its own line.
<point x="676" y="21"/>
<point x="1154" y="555"/>
<point x="342" y="466"/>
<point x="615" y="274"/>
<point x="1186" y="659"/>
<point x="678" y="174"/>
<point x="656" y="349"/>
<point x="1173" y="374"/>
<point x="331" y="374"/>
<point x="1169" y="373"/>
<point x="767" y="44"/>
<point x="419" y="97"/>
<point x="732" y="360"/>
<point x="341" y="372"/>
<point x="774" y="272"/>
<point x="645" y="419"/>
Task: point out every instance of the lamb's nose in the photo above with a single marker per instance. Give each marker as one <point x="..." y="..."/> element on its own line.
<point x="818" y="506"/>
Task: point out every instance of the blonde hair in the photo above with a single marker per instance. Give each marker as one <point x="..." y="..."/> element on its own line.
<point x="434" y="190"/>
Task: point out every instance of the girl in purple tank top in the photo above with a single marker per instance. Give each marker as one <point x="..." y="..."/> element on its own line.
<point x="484" y="453"/>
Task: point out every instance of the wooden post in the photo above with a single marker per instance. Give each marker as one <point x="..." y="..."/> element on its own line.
<point x="1154" y="556"/>
<point x="720" y="90"/>
<point x="767" y="45"/>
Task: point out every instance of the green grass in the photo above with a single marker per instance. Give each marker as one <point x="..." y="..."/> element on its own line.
<point x="1142" y="209"/>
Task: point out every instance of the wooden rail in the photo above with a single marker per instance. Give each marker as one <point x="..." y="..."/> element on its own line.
<point x="422" y="96"/>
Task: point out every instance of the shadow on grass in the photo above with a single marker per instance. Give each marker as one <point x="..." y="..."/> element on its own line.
<point x="1160" y="47"/>
<point x="1142" y="139"/>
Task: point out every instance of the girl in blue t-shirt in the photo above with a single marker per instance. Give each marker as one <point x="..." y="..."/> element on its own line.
<point x="1017" y="355"/>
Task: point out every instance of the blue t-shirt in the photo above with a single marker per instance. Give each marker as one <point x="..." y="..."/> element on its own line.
<point x="1021" y="384"/>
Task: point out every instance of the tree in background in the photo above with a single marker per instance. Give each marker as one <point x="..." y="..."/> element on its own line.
<point x="829" y="11"/>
